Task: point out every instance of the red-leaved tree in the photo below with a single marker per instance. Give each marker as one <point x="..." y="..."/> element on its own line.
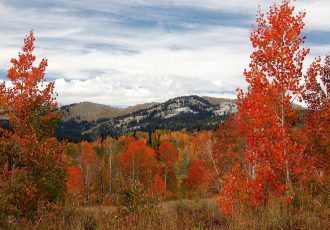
<point x="317" y="122"/>
<point x="168" y="156"/>
<point x="32" y="163"/>
<point x="266" y="116"/>
<point x="138" y="162"/>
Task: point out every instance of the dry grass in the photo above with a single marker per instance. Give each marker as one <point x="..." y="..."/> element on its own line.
<point x="192" y="214"/>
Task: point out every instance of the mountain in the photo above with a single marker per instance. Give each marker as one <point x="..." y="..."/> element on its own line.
<point x="188" y="112"/>
<point x="90" y="111"/>
<point x="218" y="101"/>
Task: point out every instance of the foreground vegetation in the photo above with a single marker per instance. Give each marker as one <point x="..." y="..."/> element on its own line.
<point x="192" y="214"/>
<point x="266" y="167"/>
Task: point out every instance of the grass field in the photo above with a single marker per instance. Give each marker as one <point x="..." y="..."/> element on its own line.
<point x="192" y="214"/>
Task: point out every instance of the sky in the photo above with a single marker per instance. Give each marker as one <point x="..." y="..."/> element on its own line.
<point x="123" y="53"/>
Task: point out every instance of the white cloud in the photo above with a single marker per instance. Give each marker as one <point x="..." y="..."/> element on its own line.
<point x="105" y="57"/>
<point x="317" y="13"/>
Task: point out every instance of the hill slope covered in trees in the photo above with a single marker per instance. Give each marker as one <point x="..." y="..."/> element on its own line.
<point x="188" y="112"/>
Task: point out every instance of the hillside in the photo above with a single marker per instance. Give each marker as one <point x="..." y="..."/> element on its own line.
<point x="188" y="112"/>
<point x="90" y="111"/>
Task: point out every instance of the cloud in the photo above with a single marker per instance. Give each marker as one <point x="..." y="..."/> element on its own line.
<point x="144" y="88"/>
<point x="127" y="52"/>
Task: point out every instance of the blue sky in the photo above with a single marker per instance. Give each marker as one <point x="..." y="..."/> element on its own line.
<point x="128" y="52"/>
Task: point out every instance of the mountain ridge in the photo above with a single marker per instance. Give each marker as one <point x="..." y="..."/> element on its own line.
<point x="92" y="111"/>
<point x="186" y="112"/>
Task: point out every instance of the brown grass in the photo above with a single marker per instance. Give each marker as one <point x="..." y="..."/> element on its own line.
<point x="191" y="214"/>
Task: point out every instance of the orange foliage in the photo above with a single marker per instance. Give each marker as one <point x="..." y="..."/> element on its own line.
<point x="88" y="155"/>
<point x="234" y="195"/>
<point x="227" y="149"/>
<point x="33" y="158"/>
<point x="200" y="143"/>
<point x="88" y="167"/>
<point x="317" y="125"/>
<point x="138" y="161"/>
<point x="157" y="189"/>
<point x="75" y="182"/>
<point x="198" y="176"/>
<point x="266" y="116"/>
<point x="31" y="110"/>
<point x="167" y="153"/>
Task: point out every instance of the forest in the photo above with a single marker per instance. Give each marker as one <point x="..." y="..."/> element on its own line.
<point x="264" y="167"/>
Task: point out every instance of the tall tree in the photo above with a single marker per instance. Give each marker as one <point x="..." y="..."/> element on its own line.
<point x="138" y="162"/>
<point x="75" y="182"/>
<point x="157" y="189"/>
<point x="317" y="122"/>
<point x="198" y="179"/>
<point x="110" y="145"/>
<point x="266" y="116"/>
<point x="31" y="107"/>
<point x="168" y="155"/>
<point x="227" y="149"/>
<point x="32" y="163"/>
<point x="89" y="170"/>
<point x="203" y="145"/>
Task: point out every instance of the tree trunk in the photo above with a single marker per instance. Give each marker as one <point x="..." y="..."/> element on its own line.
<point x="287" y="171"/>
<point x="209" y="150"/>
<point x="165" y="178"/>
<point x="87" y="184"/>
<point x="110" y="174"/>
<point x="100" y="200"/>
